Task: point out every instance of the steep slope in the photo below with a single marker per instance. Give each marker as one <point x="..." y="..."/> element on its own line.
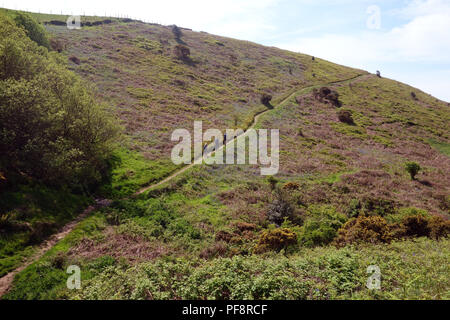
<point x="199" y="235"/>
<point x="137" y="72"/>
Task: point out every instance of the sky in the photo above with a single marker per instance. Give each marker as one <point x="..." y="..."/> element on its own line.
<point x="407" y="40"/>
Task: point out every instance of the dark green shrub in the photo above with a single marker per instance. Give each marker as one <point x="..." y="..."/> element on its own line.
<point x="317" y="233"/>
<point x="272" y="181"/>
<point x="354" y="208"/>
<point x="58" y="261"/>
<point x="52" y="128"/>
<point x="34" y="30"/>
<point x="413" y="169"/>
<point x="379" y="206"/>
<point x="40" y="231"/>
<point x="176" y="32"/>
<point x="280" y="209"/>
<point x="345" y="116"/>
<point x="321" y="225"/>
<point x="265" y="99"/>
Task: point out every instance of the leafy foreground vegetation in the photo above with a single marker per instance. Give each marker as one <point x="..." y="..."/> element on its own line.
<point x="180" y="242"/>
<point x="413" y="269"/>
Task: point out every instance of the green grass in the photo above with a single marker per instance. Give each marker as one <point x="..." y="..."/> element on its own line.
<point x="442" y="147"/>
<point x="33" y="205"/>
<point x="42" y="279"/>
<point x="132" y="172"/>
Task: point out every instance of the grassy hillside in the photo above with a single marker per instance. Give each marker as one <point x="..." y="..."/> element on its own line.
<point x="341" y="201"/>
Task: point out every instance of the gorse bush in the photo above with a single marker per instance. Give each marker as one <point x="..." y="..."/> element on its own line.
<point x="439" y="228"/>
<point x="52" y="129"/>
<point x="276" y="239"/>
<point x="416" y="226"/>
<point x="376" y="229"/>
<point x="327" y="95"/>
<point x="364" y="229"/>
<point x="424" y="226"/>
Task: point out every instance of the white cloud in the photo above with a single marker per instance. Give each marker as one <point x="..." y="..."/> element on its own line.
<point x="424" y="40"/>
<point x="417" y="8"/>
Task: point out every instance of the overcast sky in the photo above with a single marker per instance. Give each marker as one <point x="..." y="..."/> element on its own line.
<point x="407" y="40"/>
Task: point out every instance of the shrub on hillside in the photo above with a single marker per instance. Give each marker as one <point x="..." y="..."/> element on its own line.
<point x="276" y="239"/>
<point x="176" y="32"/>
<point x="354" y="208"/>
<point x="265" y="99"/>
<point x="272" y="182"/>
<point x="223" y="236"/>
<point x="376" y="229"/>
<point x="218" y="249"/>
<point x="327" y="95"/>
<point x="364" y="229"/>
<point x="291" y="186"/>
<point x="56" y="45"/>
<point x="345" y="116"/>
<point x="181" y="52"/>
<point x="40" y="231"/>
<point x="52" y="129"/>
<point x="34" y="30"/>
<point x="413" y="169"/>
<point x="244" y="226"/>
<point x="75" y="60"/>
<point x="424" y="226"/>
<point x="280" y="209"/>
<point x="440" y="228"/>
<point x="416" y="226"/>
<point x="376" y="205"/>
<point x="321" y="225"/>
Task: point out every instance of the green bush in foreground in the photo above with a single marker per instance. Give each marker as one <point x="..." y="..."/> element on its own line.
<point x="52" y="129"/>
<point x="413" y="269"/>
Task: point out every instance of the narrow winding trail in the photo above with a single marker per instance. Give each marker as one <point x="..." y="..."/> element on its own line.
<point x="7" y="280"/>
<point x="254" y="122"/>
